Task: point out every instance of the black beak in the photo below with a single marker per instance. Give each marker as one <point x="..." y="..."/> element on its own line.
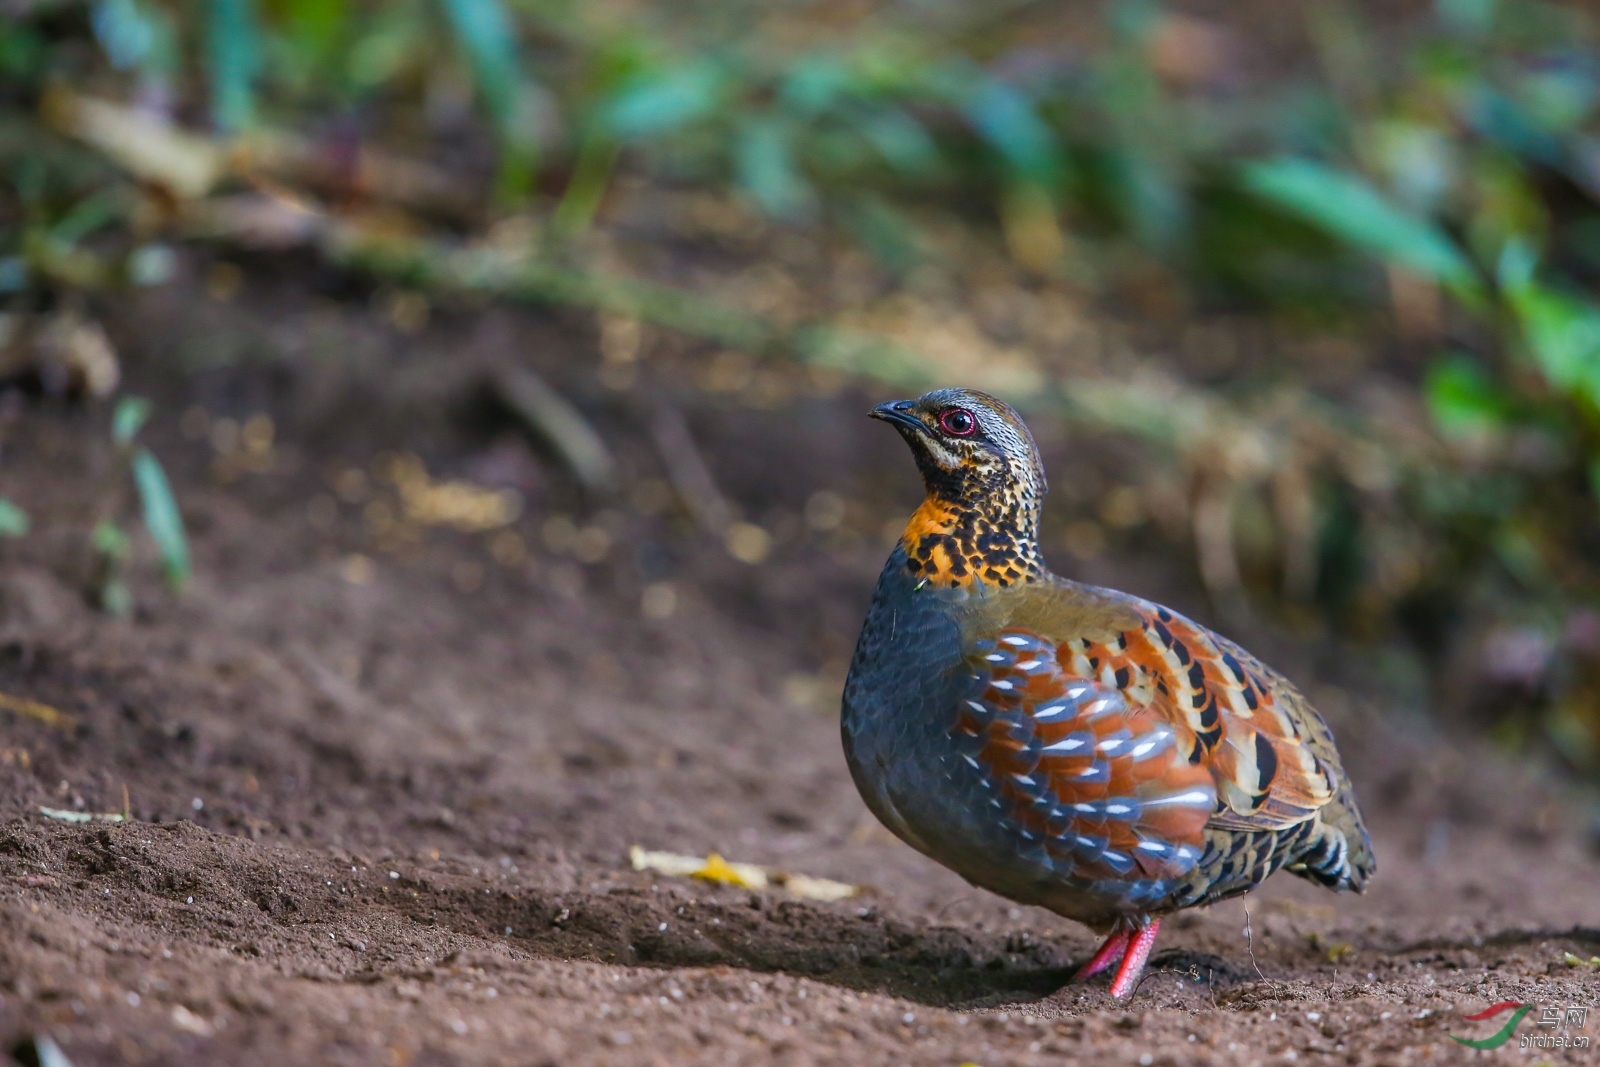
<point x="899" y="413"/>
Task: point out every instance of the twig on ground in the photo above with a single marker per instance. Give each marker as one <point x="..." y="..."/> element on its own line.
<point x="558" y="423"/>
<point x="1192" y="973"/>
<point x="688" y="472"/>
<point x="1250" y="945"/>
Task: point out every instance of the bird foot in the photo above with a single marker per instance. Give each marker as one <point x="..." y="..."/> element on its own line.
<point x="1109" y="953"/>
<point x="1133" y="961"/>
<point x="1132" y="948"/>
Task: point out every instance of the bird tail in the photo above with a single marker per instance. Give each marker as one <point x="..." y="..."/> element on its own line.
<point x="1340" y="855"/>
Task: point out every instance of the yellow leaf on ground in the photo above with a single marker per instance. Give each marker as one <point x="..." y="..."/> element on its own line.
<point x="34" y="710"/>
<point x="713" y="868"/>
<point x="719" y="870"/>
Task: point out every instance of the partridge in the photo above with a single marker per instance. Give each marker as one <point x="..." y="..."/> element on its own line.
<point x="1068" y="746"/>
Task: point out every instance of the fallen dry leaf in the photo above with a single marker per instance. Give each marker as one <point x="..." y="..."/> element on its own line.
<point x="713" y="868"/>
<point x="144" y="144"/>
<point x="34" y="710"/>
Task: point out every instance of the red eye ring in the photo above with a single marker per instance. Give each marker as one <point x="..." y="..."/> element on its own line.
<point x="958" y="422"/>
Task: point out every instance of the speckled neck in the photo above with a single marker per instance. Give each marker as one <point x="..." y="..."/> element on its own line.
<point x="975" y="528"/>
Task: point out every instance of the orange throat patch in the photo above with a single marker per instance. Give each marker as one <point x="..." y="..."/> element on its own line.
<point x="953" y="545"/>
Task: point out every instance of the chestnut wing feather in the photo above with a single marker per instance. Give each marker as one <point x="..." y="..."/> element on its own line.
<point x="1098" y="785"/>
<point x="1240" y="728"/>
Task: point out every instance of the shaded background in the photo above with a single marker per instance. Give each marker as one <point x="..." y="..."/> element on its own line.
<point x="1317" y="282"/>
<point x="531" y="341"/>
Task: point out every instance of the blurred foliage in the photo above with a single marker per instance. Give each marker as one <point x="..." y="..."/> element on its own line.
<point x="14" y="521"/>
<point x="1430" y="188"/>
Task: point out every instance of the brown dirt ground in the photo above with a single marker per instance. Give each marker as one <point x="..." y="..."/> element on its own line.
<point x="381" y="809"/>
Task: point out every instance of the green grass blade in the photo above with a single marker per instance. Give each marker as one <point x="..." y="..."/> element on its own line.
<point x="1006" y="118"/>
<point x="13" y="520"/>
<point x="664" y="100"/>
<point x="109" y="540"/>
<point x="161" y="516"/>
<point x="128" y="419"/>
<point x="233" y="57"/>
<point x="487" y="37"/>
<point x="1462" y="399"/>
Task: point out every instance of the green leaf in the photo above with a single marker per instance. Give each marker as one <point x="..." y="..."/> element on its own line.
<point x="663" y="100"/>
<point x="381" y="48"/>
<point x="115" y="598"/>
<point x="13" y="520"/>
<point x="515" y="103"/>
<point x="900" y="139"/>
<point x="136" y="36"/>
<point x="814" y="84"/>
<point x="591" y="176"/>
<point x="128" y="419"/>
<point x="315" y="28"/>
<point x="768" y="172"/>
<point x="1462" y="399"/>
<point x="125" y="32"/>
<point x="1561" y="330"/>
<point x="161" y="516"/>
<point x="109" y="541"/>
<point x="233" y="58"/>
<point x="1007" y="120"/>
<point x="486" y="35"/>
<point x="1349" y="208"/>
<point x="24" y="51"/>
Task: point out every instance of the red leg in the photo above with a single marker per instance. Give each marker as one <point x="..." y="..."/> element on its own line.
<point x="1133" y="963"/>
<point x="1109" y="953"/>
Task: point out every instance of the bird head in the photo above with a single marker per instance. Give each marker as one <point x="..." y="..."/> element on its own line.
<point x="966" y="441"/>
<point x="985" y="483"/>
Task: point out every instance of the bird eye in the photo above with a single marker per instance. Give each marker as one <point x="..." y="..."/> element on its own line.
<point x="958" y="422"/>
